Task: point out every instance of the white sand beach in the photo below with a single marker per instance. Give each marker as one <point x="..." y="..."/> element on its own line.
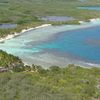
<point x="10" y="36"/>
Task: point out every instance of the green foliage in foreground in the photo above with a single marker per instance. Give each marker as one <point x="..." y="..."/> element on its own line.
<point x="8" y="60"/>
<point x="23" y="82"/>
<point x="70" y="83"/>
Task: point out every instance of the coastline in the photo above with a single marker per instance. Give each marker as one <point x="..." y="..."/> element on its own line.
<point x="90" y="20"/>
<point x="54" y="59"/>
<point x="10" y="36"/>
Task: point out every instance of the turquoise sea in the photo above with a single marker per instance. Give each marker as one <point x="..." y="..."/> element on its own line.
<point x="58" y="45"/>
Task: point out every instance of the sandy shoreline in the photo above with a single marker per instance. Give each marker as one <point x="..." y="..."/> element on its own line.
<point x="56" y="59"/>
<point x="10" y="36"/>
<point x="90" y="20"/>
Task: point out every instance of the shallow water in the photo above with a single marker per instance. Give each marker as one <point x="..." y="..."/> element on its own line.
<point x="58" y="45"/>
<point x="76" y="43"/>
<point x="90" y="8"/>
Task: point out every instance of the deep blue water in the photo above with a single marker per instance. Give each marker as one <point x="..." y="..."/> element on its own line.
<point x="90" y="8"/>
<point x="58" y="45"/>
<point x="81" y="43"/>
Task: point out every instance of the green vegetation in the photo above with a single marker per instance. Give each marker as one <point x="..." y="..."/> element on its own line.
<point x="9" y="61"/>
<point x="23" y="82"/>
<point x="25" y="13"/>
<point x="70" y="83"/>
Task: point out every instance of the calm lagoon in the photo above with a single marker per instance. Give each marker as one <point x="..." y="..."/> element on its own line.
<point x="97" y="8"/>
<point x="7" y="26"/>
<point x="57" y="18"/>
<point x="58" y="45"/>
